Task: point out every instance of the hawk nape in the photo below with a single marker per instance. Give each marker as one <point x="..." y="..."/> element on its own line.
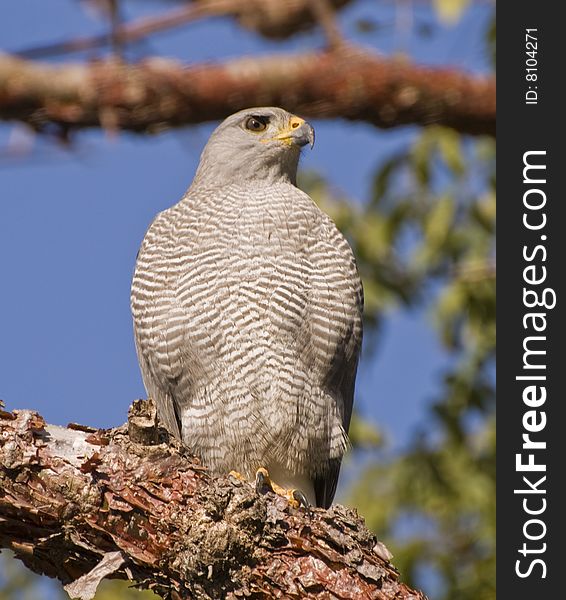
<point x="247" y="312"/>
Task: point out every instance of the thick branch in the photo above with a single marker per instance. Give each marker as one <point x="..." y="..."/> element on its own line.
<point x="83" y="504"/>
<point x="158" y="94"/>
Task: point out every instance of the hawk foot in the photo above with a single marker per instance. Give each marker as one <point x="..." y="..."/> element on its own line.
<point x="264" y="484"/>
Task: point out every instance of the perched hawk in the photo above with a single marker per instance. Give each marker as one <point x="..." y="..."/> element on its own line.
<point x="247" y="309"/>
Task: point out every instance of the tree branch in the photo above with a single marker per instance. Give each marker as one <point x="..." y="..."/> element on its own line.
<point x="157" y="94"/>
<point x="80" y="504"/>
<point x="277" y="19"/>
<point x="137" y="29"/>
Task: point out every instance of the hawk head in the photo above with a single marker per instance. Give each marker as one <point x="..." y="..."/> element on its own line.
<point x="255" y="145"/>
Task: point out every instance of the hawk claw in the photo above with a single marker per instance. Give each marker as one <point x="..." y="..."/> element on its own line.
<point x="299" y="497"/>
<point x="263" y="482"/>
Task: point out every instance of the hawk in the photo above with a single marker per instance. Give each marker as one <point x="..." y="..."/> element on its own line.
<point x="247" y="309"/>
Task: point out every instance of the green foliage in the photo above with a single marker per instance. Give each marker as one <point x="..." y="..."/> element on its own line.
<point x="450" y="11"/>
<point x="364" y="435"/>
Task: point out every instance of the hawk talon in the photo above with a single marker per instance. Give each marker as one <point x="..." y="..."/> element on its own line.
<point x="263" y="482"/>
<point x="300" y="497"/>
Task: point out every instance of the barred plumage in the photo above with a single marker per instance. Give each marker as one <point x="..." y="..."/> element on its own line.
<point x="247" y="315"/>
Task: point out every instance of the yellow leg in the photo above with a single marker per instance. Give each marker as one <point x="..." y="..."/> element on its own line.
<point x="237" y="476"/>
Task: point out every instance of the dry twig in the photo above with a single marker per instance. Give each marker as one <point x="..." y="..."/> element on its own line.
<point x="271" y="18"/>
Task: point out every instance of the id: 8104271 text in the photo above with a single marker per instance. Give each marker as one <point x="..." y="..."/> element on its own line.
<point x="531" y="66"/>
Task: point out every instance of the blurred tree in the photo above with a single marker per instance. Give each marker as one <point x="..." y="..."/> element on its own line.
<point x="424" y="240"/>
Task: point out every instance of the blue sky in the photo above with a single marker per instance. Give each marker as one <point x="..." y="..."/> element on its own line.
<point x="71" y="222"/>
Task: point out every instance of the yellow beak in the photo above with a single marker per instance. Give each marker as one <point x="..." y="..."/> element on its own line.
<point x="297" y="132"/>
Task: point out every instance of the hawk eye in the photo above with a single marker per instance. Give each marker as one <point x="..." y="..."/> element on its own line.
<point x="256" y="124"/>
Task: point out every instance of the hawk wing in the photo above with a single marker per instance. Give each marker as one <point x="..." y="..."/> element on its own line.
<point x="166" y="406"/>
<point x="342" y="374"/>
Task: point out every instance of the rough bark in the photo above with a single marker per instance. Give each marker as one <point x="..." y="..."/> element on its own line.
<point x="157" y="94"/>
<point x="80" y="504"/>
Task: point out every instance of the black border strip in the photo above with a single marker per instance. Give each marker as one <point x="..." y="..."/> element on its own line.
<point x="531" y="255"/>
